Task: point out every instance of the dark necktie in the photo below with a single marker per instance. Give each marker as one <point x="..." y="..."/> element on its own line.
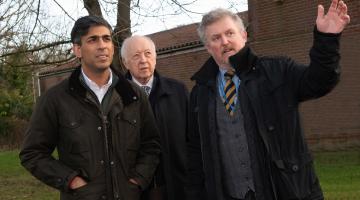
<point x="146" y="89"/>
<point x="230" y="92"/>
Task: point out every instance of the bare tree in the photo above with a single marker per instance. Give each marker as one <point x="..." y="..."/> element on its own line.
<point x="24" y="30"/>
<point x="46" y="37"/>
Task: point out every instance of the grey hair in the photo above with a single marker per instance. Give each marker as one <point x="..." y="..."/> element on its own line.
<point x="127" y="40"/>
<point x="214" y="16"/>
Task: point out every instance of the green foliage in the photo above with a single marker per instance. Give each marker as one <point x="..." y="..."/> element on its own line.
<point x="16" y="96"/>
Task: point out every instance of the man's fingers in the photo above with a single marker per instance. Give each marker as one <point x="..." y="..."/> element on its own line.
<point x="340" y="8"/>
<point x="334" y="5"/>
<point x="343" y="12"/>
<point x="321" y="11"/>
<point x="343" y="8"/>
<point x="133" y="181"/>
<point x="346" y="19"/>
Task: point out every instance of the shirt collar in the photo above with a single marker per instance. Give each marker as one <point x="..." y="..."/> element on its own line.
<point x="99" y="91"/>
<point x="91" y="84"/>
<point x="222" y="71"/>
<point x="149" y="83"/>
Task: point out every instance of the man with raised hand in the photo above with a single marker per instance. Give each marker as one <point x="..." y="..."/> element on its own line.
<point x="245" y="135"/>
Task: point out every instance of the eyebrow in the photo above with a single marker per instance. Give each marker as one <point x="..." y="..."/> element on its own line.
<point x="145" y="50"/>
<point x="98" y="36"/>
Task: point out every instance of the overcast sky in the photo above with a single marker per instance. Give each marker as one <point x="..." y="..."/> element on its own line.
<point x="147" y="25"/>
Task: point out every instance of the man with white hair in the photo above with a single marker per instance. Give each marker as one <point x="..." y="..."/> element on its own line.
<point x="169" y="101"/>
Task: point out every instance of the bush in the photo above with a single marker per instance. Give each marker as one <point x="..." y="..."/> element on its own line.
<point x="16" y="100"/>
<point x="13" y="136"/>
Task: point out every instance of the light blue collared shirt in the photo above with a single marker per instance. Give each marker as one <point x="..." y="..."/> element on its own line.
<point x="221" y="84"/>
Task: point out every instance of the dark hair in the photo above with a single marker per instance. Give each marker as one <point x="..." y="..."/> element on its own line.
<point x="83" y="24"/>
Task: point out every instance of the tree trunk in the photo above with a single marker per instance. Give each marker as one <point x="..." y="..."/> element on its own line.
<point x="122" y="30"/>
<point x="93" y="7"/>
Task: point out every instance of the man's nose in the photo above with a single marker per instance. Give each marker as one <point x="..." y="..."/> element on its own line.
<point x="102" y="43"/>
<point x="142" y="57"/>
<point x="224" y="40"/>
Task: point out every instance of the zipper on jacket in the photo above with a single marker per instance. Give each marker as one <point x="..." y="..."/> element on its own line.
<point x="155" y="185"/>
<point x="108" y="173"/>
<point x="92" y="99"/>
<point x="108" y="154"/>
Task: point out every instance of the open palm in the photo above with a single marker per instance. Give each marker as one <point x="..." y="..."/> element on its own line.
<point x="335" y="20"/>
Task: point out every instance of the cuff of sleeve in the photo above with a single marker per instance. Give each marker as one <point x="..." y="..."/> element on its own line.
<point x="142" y="184"/>
<point x="68" y="181"/>
<point x="317" y="32"/>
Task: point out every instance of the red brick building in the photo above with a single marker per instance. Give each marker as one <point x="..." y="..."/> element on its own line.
<point x="275" y="27"/>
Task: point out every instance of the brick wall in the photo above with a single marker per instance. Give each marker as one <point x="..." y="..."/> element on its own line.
<point x="285" y="28"/>
<point x="280" y="28"/>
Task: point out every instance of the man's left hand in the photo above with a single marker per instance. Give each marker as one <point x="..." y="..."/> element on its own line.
<point x="133" y="181"/>
<point x="335" y="20"/>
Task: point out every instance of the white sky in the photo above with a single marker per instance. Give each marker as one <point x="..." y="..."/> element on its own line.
<point x="147" y="25"/>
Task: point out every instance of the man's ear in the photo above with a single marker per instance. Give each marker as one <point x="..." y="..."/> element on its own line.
<point x="77" y="50"/>
<point x="124" y="62"/>
<point x="244" y="35"/>
<point x="208" y="49"/>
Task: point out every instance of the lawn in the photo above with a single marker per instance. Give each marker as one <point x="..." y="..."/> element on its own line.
<point x="16" y="183"/>
<point x="339" y="174"/>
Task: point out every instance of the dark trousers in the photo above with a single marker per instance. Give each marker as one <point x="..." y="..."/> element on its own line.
<point x="250" y="195"/>
<point x="154" y="194"/>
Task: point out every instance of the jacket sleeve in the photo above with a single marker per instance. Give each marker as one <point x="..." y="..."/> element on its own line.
<point x="194" y="184"/>
<point x="323" y="73"/>
<point x="40" y="140"/>
<point x="149" y="150"/>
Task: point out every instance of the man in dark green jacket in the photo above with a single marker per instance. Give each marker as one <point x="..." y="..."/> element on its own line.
<point x="100" y="123"/>
<point x="245" y="135"/>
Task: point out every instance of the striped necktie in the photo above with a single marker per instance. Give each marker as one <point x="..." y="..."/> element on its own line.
<point x="146" y="89"/>
<point x="230" y="92"/>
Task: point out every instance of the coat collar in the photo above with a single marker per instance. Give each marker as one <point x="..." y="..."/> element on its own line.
<point x="160" y="86"/>
<point x="243" y="62"/>
<point x="123" y="87"/>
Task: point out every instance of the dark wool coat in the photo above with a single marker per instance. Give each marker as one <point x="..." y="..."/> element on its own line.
<point x="105" y="148"/>
<point x="270" y="92"/>
<point x="169" y="101"/>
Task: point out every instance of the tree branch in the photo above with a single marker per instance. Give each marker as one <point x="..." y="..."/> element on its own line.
<point x="36" y="48"/>
<point x="43" y="62"/>
<point x="64" y="10"/>
<point x="36" y="20"/>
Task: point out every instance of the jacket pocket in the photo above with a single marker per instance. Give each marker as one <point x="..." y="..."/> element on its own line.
<point x="129" y="124"/>
<point x="90" y="191"/>
<point x="131" y="155"/>
<point x="294" y="178"/>
<point x="133" y="191"/>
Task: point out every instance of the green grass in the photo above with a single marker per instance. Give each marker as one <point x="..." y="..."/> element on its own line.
<point x="339" y="174"/>
<point x="16" y="183"/>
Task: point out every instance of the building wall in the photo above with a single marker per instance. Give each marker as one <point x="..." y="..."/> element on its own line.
<point x="285" y="28"/>
<point x="279" y="27"/>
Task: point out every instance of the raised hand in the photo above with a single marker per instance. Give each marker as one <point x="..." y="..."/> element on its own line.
<point x="335" y="20"/>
